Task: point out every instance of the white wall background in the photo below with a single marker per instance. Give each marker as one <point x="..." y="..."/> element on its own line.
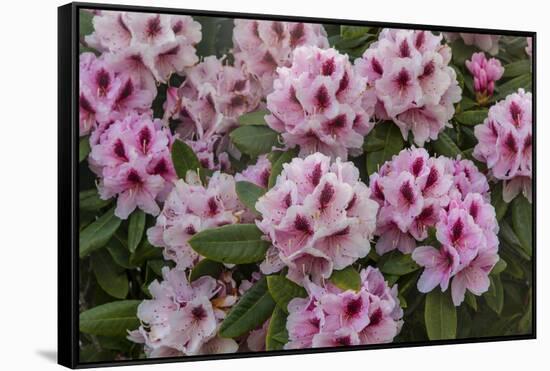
<point x="28" y="182"/>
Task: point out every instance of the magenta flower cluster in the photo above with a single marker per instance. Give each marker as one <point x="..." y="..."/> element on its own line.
<point x="190" y="208"/>
<point x="485" y="73"/>
<point x="317" y="104"/>
<point x="413" y="189"/>
<point x="259" y="47"/>
<point x="318" y="217"/>
<point x="505" y="143"/>
<point x="410" y="79"/>
<point x="331" y="317"/>
<point x="132" y="158"/>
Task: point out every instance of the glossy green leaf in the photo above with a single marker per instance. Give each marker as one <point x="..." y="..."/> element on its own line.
<point x="111" y="319"/>
<point x="144" y="252"/>
<point x="390" y="134"/>
<point x="97" y="234"/>
<point x="232" y="244"/>
<point x="499" y="267"/>
<point x="277" y="335"/>
<point x="110" y="277"/>
<point x="136" y="227"/>
<point x="440" y="315"/>
<point x="495" y="296"/>
<point x="472" y="118"/>
<point x="397" y="264"/>
<point x="283" y="290"/>
<point x="517" y="68"/>
<point x="445" y="146"/>
<point x="249" y="193"/>
<point x="89" y="200"/>
<point x="277" y="165"/>
<point x="206" y="267"/>
<point x="253" y="118"/>
<point x="254" y="140"/>
<point x="83" y="148"/>
<point x="522" y="221"/>
<point x="251" y="311"/>
<point x="184" y="159"/>
<point x="353" y="32"/>
<point x="512" y="86"/>
<point x="346" y="279"/>
<point x="498" y="203"/>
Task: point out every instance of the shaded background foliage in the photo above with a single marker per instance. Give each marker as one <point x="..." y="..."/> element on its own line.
<point x="118" y="263"/>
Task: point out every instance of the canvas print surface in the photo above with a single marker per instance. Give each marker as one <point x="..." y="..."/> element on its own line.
<point x="255" y="185"/>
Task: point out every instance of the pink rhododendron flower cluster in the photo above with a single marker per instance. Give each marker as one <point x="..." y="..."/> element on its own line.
<point x="106" y="96"/>
<point x="190" y="208"/>
<point x="467" y="230"/>
<point x="262" y="46"/>
<point x="412" y="191"/>
<point x="182" y="318"/>
<point x="132" y="159"/>
<point x="484" y="42"/>
<point x="317" y="104"/>
<point x="148" y="47"/>
<point x="258" y="173"/>
<point x="318" y="216"/>
<point x="505" y="143"/>
<point x="331" y="317"/>
<point x="485" y="72"/>
<point x="409" y="75"/>
<point x="207" y="105"/>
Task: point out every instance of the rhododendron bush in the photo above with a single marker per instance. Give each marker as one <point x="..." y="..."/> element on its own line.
<point x="264" y="185"/>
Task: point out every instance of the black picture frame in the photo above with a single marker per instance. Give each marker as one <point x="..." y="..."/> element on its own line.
<point x="68" y="202"/>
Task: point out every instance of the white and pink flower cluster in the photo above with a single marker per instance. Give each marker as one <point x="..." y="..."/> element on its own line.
<point x="207" y="106"/>
<point x="319" y="217"/>
<point x="317" y="104"/>
<point x="132" y="158"/>
<point x="106" y="96"/>
<point x="183" y="317"/>
<point x="149" y="47"/>
<point x="258" y="173"/>
<point x="259" y="47"/>
<point x="331" y="317"/>
<point x="485" y="73"/>
<point x="190" y="208"/>
<point x="505" y="143"/>
<point x="413" y="189"/>
<point x="410" y="78"/>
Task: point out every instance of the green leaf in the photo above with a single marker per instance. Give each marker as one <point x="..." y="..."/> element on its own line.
<point x="83" y="148"/>
<point x="249" y="193"/>
<point x="277" y="335"/>
<point x="445" y="146"/>
<point x="233" y="244"/>
<point x="495" y="296"/>
<point x="253" y="118"/>
<point x="206" y="267"/>
<point x="440" y="315"/>
<point x="472" y="118"/>
<point x="254" y="140"/>
<point x="499" y="267"/>
<point x="373" y="143"/>
<point x="390" y="134"/>
<point x="522" y="221"/>
<point x="461" y="52"/>
<point x="89" y="200"/>
<point x="397" y="264"/>
<point x="352" y="32"/>
<point x="111" y="319"/>
<point x="467" y="103"/>
<point x="509" y="237"/>
<point x="346" y="279"/>
<point x="119" y="253"/>
<point x="471" y="300"/>
<point x="136" y="228"/>
<point x="498" y="202"/>
<point x="512" y="86"/>
<point x="517" y="68"/>
<point x="283" y="290"/>
<point x="277" y="165"/>
<point x="144" y="252"/>
<point x="110" y="277"/>
<point x="184" y="159"/>
<point x="252" y="310"/>
<point x="97" y="234"/>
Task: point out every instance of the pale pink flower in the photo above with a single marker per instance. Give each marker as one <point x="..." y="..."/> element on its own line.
<point x="261" y="46"/>
<point x="258" y="173"/>
<point x="439" y="266"/>
<point x="505" y="143"/>
<point x="316" y="104"/>
<point x="486" y="43"/>
<point x="318" y="216"/>
<point x="485" y="73"/>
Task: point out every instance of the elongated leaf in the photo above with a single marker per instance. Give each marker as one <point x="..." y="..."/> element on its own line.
<point x="283" y="291"/>
<point x="512" y="86"/>
<point x="119" y="253"/>
<point x="136" y="227"/>
<point x="253" y="118"/>
<point x="254" y="140"/>
<point x="251" y="311"/>
<point x="277" y="335"/>
<point x="522" y="221"/>
<point x="509" y="238"/>
<point x="498" y="202"/>
<point x="206" y="267"/>
<point x="83" y="148"/>
<point x="472" y="118"/>
<point x="471" y="300"/>
<point x="145" y="252"/>
<point x="184" y="159"/>
<point x="499" y="267"/>
<point x="397" y="264"/>
<point x="445" y="146"/>
<point x="97" y="234"/>
<point x="353" y="32"/>
<point x="277" y="165"/>
<point x="89" y="200"/>
<point x="111" y="319"/>
<point x="249" y="193"/>
<point x="110" y="277"/>
<point x="440" y="315"/>
<point x="346" y="279"/>
<point x="517" y="68"/>
<point x="233" y="244"/>
<point x="393" y="143"/>
<point x="495" y="296"/>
